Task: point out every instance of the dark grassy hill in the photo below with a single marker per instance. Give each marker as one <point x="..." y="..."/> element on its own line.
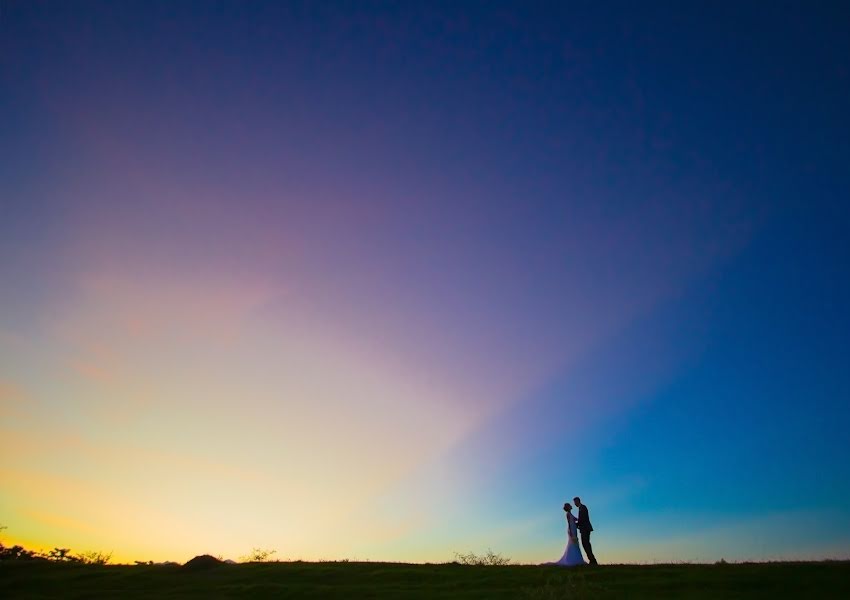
<point x="19" y="579"/>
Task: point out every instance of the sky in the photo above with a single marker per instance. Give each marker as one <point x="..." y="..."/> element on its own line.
<point x="395" y="280"/>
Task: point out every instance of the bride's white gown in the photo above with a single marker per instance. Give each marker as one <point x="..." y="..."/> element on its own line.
<point x="572" y="555"/>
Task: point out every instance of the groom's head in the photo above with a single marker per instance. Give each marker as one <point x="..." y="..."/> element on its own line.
<point x="577" y="501"/>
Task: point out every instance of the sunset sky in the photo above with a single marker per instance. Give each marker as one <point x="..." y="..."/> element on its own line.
<point x="390" y="280"/>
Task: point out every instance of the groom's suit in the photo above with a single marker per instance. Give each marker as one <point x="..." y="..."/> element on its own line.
<point x="585" y="527"/>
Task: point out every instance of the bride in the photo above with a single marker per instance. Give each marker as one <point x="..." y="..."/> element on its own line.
<point x="572" y="555"/>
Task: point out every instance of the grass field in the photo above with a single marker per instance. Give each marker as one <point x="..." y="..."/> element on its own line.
<point x="19" y="579"/>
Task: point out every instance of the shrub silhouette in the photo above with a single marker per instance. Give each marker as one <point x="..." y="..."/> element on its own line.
<point x="258" y="555"/>
<point x="490" y="559"/>
<point x="62" y="555"/>
<point x="17" y="552"/>
<point x="94" y="558"/>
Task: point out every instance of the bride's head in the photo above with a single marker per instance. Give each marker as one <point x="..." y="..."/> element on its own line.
<point x="567" y="507"/>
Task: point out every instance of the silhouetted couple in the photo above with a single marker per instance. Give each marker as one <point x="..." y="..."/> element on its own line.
<point x="572" y="555"/>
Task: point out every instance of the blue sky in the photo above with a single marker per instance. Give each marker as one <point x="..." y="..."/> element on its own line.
<point x="392" y="280"/>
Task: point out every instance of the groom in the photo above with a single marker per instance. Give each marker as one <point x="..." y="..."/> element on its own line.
<point x="585" y="527"/>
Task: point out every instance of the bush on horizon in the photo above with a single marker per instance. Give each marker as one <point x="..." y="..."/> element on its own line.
<point x="490" y="559"/>
<point x="18" y="552"/>
<point x="258" y="555"/>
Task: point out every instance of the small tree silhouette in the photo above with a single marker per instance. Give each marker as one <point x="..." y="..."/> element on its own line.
<point x="94" y="558"/>
<point x="17" y="553"/>
<point x="258" y="555"/>
<point x="62" y="555"/>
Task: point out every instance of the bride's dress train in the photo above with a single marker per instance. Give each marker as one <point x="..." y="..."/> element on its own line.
<point x="572" y="555"/>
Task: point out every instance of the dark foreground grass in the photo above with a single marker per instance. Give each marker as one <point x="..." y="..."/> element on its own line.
<point x="402" y="581"/>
